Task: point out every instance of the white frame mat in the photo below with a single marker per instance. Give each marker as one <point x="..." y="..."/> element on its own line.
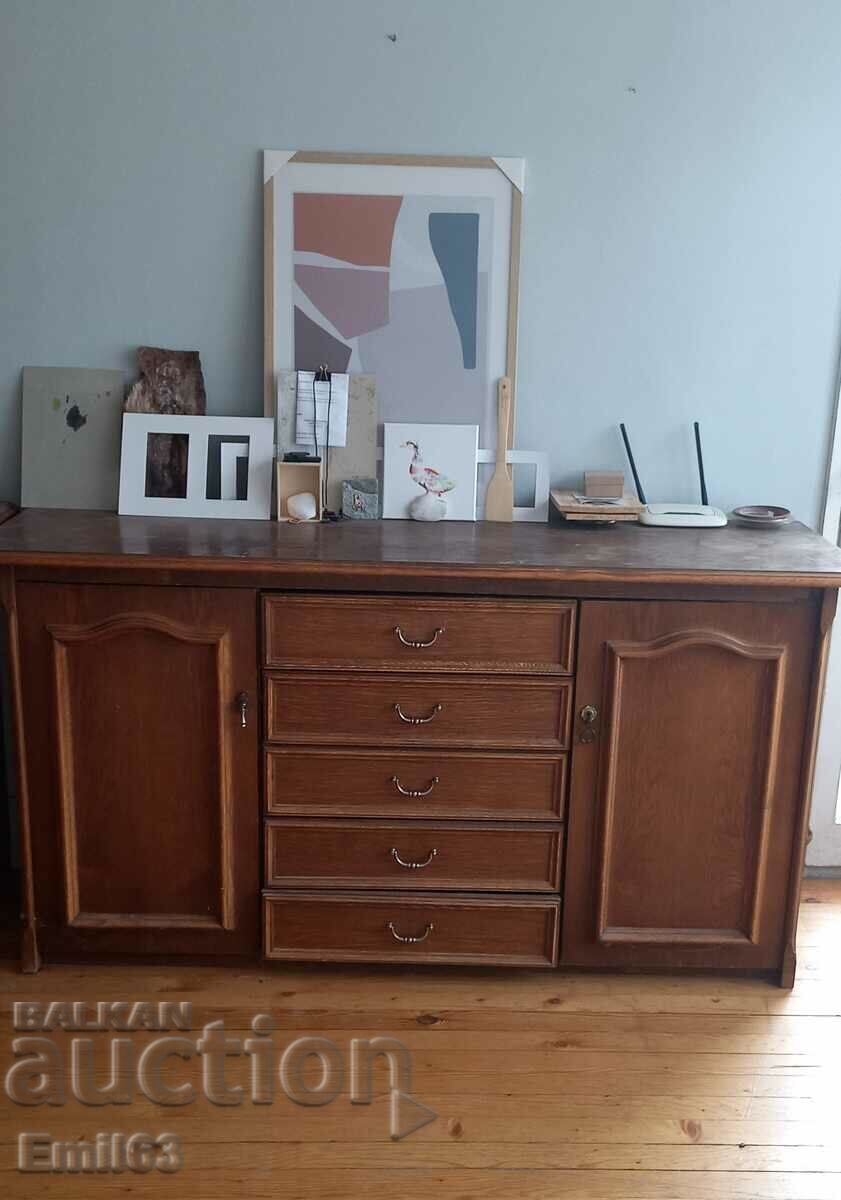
<point x="539" y="511"/>
<point x="133" y="498"/>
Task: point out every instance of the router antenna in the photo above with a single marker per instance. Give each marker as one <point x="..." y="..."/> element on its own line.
<point x="630" y="453"/>
<point x="704" y="497"/>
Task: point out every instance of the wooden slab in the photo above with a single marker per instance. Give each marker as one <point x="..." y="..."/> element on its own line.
<point x="410" y="551"/>
<point x="569" y="507"/>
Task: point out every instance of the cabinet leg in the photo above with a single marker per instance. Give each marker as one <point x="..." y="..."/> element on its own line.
<point x="788" y="970"/>
<point x="30" y="959"/>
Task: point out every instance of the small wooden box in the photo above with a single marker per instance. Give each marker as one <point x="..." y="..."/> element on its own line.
<point x="295" y="477"/>
<point x="604" y="483"/>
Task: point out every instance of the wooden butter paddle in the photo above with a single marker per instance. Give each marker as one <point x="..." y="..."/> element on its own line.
<point x="499" y="502"/>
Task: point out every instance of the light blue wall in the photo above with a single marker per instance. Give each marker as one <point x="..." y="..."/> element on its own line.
<point x="682" y="247"/>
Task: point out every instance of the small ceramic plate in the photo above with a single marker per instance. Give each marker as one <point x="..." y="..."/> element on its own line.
<point x="762" y="516"/>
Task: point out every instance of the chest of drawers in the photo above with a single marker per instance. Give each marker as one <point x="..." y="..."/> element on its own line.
<point x="422" y="747"/>
<point x="381" y="742"/>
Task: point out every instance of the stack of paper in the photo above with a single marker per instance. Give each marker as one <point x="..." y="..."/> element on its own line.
<point x="314" y="401"/>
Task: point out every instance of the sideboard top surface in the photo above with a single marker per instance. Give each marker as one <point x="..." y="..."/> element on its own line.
<point x="793" y="556"/>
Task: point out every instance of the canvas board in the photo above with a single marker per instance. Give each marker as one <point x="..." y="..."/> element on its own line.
<point x="70" y="454"/>
<point x="412" y="450"/>
<point x="257" y="431"/>
<point x="401" y="267"/>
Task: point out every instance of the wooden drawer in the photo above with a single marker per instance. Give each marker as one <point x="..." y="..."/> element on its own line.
<point x="480" y="931"/>
<point x="350" y="633"/>
<point x="497" y="858"/>
<point x="453" y="783"/>
<point x="347" y="709"/>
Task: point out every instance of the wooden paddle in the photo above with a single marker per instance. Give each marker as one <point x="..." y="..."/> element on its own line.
<point x="499" y="503"/>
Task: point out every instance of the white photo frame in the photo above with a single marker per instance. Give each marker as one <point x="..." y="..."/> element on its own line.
<point x="539" y="459"/>
<point x="408" y="348"/>
<point x="259" y="431"/>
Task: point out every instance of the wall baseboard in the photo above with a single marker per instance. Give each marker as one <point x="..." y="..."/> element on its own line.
<point x="822" y="873"/>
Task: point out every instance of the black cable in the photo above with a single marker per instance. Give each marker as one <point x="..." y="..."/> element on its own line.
<point x="314" y="413"/>
<point x="329" y="376"/>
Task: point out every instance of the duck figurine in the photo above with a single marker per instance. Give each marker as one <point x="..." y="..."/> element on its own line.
<point x="431" y="506"/>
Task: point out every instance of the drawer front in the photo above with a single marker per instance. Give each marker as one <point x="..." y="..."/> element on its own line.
<point x="349" y="633"/>
<point x="344" y="928"/>
<point x="405" y="710"/>
<point x="501" y="858"/>
<point x="428" y="783"/>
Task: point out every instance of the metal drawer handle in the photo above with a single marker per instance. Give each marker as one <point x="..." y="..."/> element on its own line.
<point x="418" y="720"/>
<point x="242" y="704"/>
<point x="414" y="792"/>
<point x="412" y="866"/>
<point x="418" y="645"/>
<point x="409" y="940"/>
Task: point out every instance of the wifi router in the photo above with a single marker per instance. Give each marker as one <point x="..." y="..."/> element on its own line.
<point x="701" y="516"/>
<point x="677" y="515"/>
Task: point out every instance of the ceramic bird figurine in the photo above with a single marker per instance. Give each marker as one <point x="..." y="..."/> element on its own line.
<point x="431" y="506"/>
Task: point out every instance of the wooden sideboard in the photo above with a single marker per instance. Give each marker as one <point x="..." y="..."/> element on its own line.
<point x="478" y="744"/>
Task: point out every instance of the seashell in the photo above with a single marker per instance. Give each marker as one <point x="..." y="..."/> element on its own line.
<point x="302" y="506"/>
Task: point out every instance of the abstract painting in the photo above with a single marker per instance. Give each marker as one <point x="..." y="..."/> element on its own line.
<point x="396" y="287"/>
<point x="403" y="269"/>
<point x="439" y="460"/>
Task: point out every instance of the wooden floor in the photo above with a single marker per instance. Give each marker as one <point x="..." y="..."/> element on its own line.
<point x="546" y="1086"/>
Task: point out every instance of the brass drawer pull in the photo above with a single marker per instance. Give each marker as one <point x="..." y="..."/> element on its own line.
<point x="415" y="645"/>
<point x="398" y="937"/>
<point x="418" y="645"/>
<point x="242" y="704"/>
<point x="412" y="866"/>
<point x="418" y="720"/>
<point x="414" y="792"/>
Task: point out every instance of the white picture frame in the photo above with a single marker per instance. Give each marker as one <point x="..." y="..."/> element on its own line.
<point x="411" y="449"/>
<point x="539" y="459"/>
<point x="259" y="431"/>
<point x="452" y="183"/>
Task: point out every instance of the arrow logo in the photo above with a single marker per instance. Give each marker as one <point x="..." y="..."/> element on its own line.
<point x="408" y="1115"/>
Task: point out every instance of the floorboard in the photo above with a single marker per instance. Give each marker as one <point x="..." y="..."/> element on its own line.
<point x="545" y="1086"/>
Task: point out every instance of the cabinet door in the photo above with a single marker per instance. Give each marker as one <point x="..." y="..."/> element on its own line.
<point x="143" y="780"/>
<point x="686" y="785"/>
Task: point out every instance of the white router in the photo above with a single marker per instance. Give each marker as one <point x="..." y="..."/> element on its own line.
<point x="683" y="516"/>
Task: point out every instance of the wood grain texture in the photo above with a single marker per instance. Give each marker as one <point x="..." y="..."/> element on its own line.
<point x="545" y="1085"/>
<point x="471" y="712"/>
<point x="306" y="781"/>
<point x="513" y="305"/>
<point x="76" y="697"/>
<point x="347" y="927"/>
<point x="458" y="856"/>
<point x="394" y="160"/>
<point x="820" y="652"/>
<point x="358" y="633"/>
<point x="144" y="783"/>
<point x="269" y="375"/>
<point x="29" y="952"/>
<point x="683" y="808"/>
<point x="382" y="553"/>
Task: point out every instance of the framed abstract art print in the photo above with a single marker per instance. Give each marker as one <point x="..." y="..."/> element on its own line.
<point x="405" y="268"/>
